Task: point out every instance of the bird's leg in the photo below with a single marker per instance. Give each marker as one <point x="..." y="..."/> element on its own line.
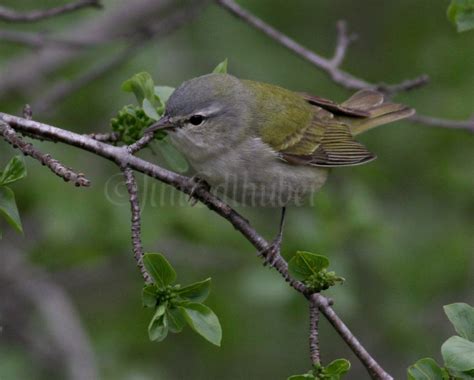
<point x="271" y="254"/>
<point x="198" y="182"/>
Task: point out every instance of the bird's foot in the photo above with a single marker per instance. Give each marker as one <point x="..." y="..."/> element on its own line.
<point x="272" y="253"/>
<point x="198" y="183"/>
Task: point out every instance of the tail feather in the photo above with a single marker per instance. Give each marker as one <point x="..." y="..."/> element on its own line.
<point x="379" y="112"/>
<point x="364" y="100"/>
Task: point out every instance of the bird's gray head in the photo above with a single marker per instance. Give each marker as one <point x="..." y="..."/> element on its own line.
<point x="204" y="114"/>
<point x="207" y="96"/>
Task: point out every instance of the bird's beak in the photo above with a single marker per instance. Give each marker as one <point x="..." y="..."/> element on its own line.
<point x="163" y="124"/>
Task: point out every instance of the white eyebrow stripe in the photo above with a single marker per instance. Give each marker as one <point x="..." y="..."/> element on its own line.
<point x="209" y="110"/>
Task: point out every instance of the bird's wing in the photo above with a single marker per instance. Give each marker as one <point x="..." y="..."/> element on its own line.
<point x="326" y="142"/>
<point x="310" y="130"/>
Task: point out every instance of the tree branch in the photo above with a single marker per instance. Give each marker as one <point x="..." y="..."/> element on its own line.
<point x="105" y="137"/>
<point x="406" y="85"/>
<point x="467" y="125"/>
<point x="28" y="149"/>
<point x="25" y="74"/>
<point x="123" y="158"/>
<point x="141" y="143"/>
<point x="138" y="252"/>
<point x="331" y="66"/>
<point x="11" y="15"/>
<point x="343" y="42"/>
<point x="374" y="369"/>
<point x="314" y="332"/>
<point x="39" y="40"/>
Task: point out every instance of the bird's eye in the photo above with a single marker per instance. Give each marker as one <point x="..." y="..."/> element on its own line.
<point x="196" y="119"/>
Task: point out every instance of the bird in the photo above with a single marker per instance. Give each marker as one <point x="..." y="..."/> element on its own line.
<point x="266" y="146"/>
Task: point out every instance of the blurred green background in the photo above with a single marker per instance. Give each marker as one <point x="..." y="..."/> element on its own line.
<point x="400" y="230"/>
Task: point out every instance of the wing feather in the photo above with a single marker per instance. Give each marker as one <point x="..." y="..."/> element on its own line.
<point x="310" y="130"/>
<point x="329" y="139"/>
<point x="336" y="148"/>
<point x="333" y="107"/>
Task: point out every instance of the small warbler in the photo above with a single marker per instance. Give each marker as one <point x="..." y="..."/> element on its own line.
<point x="263" y="145"/>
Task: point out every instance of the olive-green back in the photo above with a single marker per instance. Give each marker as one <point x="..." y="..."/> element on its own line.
<point x="304" y="129"/>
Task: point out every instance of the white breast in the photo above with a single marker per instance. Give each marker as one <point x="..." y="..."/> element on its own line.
<point x="251" y="173"/>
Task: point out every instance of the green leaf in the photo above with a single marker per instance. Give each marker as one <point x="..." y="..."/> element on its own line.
<point x="306" y="376"/>
<point x="142" y="86"/>
<point x="458" y="354"/>
<point x="304" y="264"/>
<point x="338" y="367"/>
<point x="461" y="13"/>
<point x="14" y="171"/>
<point x="158" y="327"/>
<point x="159" y="269"/>
<point x="176" y="319"/>
<point x="197" y="292"/>
<point x="461" y="316"/>
<point x="163" y="93"/>
<point x="221" y="68"/>
<point x="9" y="209"/>
<point x="149" y="295"/>
<point x="175" y="159"/>
<point x="425" y="369"/>
<point x="150" y="110"/>
<point x="456" y="375"/>
<point x="203" y="320"/>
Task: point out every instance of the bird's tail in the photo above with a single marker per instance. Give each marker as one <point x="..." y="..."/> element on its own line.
<point x="379" y="111"/>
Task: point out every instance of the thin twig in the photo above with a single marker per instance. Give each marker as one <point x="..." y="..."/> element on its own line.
<point x="343" y="42"/>
<point x="40" y="40"/>
<point x="406" y="85"/>
<point x="10" y="15"/>
<point x="314" y="332"/>
<point x="443" y="123"/>
<point x="122" y="157"/>
<point x="138" y="252"/>
<point x="28" y="149"/>
<point x="141" y="143"/>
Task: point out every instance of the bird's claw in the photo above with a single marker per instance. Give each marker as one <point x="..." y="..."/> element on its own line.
<point x="271" y="254"/>
<point x="198" y="183"/>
